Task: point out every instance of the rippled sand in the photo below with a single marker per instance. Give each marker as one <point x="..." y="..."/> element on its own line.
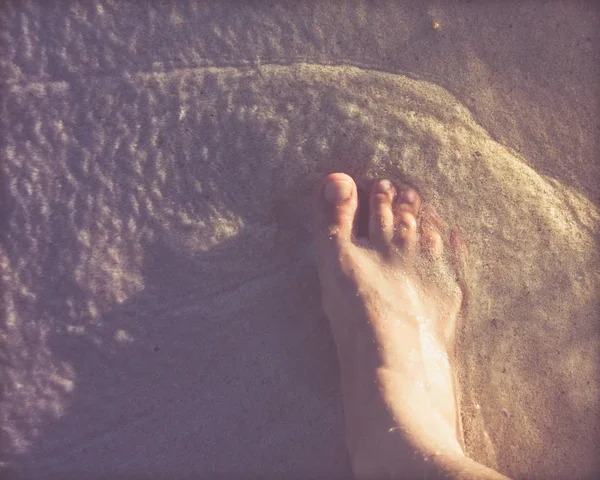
<point x="161" y="305"/>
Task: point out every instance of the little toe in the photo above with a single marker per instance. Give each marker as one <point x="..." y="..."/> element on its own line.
<point x="432" y="231"/>
<point x="334" y="209"/>
<point x="406" y="209"/>
<point x="381" y="216"/>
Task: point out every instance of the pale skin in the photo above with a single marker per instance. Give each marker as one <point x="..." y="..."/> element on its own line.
<point x="393" y="300"/>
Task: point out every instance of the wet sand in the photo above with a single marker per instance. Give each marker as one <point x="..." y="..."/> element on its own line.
<point x="161" y="309"/>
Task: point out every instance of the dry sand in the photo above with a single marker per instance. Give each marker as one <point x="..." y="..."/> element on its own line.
<point x="161" y="311"/>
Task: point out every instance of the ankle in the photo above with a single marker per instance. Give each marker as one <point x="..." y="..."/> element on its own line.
<point x="393" y="455"/>
<point x="391" y="414"/>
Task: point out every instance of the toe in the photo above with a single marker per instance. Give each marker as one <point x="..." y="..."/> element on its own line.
<point x="334" y="210"/>
<point x="406" y="209"/>
<point x="432" y="230"/>
<point x="381" y="216"/>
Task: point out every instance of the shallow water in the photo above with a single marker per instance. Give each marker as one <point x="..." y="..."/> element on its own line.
<point x="160" y="284"/>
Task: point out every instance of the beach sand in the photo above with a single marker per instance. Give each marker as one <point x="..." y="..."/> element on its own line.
<point x="161" y="308"/>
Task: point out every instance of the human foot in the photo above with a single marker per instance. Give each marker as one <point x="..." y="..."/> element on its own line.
<point x="392" y="300"/>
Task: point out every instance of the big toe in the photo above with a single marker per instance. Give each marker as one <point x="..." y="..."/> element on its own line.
<point x="335" y="205"/>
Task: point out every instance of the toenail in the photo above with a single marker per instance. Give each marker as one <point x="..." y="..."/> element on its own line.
<point x="338" y="191"/>
<point x="383" y="186"/>
<point x="408" y="196"/>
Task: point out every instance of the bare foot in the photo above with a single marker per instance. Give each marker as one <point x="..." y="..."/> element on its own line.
<point x="392" y="300"/>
